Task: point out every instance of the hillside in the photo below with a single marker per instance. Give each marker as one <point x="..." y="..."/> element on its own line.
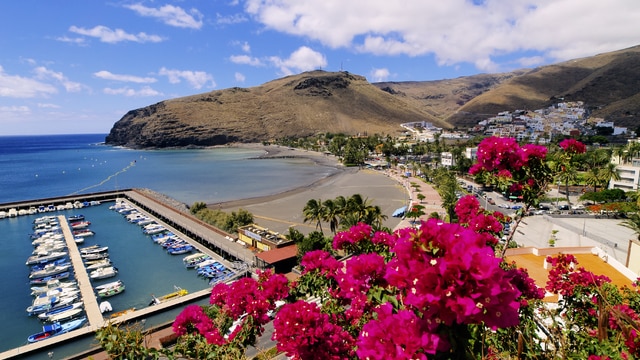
<point x="609" y="84"/>
<point x="293" y="106"/>
<point x="339" y="102"/>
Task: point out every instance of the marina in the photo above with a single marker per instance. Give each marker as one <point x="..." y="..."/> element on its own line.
<point x="204" y="239"/>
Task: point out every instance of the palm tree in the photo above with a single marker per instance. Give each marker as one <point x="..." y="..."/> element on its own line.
<point x="333" y="210"/>
<point x="609" y="172"/>
<point x="633" y="223"/>
<point x="314" y="211"/>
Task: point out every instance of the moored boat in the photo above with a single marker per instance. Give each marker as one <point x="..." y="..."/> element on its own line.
<point x="93" y="250"/>
<point x="111" y="291"/>
<point x="103" y="273"/>
<point x="94" y="256"/>
<point x="98" y="264"/>
<point x="42" y="258"/>
<point x="49" y="271"/>
<point x="43" y="280"/>
<point x="80" y="225"/>
<point x="60" y="309"/>
<point x="51" y="330"/>
<point x="65" y="315"/>
<point x="83" y="232"/>
<point x="74" y="218"/>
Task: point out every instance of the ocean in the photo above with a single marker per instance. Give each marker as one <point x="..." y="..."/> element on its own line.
<point x="33" y="167"/>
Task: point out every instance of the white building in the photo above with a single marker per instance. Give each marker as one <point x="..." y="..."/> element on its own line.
<point x="446" y="159"/>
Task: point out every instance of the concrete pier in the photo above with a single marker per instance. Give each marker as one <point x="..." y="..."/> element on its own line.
<point x="91" y="308"/>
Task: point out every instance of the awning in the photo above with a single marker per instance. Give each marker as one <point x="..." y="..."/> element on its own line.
<point x="399" y="212"/>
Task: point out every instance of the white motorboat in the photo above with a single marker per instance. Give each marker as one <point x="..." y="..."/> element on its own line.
<point x="103" y="273"/>
<point x="99" y="264"/>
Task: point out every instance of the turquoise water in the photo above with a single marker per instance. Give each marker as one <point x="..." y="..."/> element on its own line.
<point x="49" y="166"/>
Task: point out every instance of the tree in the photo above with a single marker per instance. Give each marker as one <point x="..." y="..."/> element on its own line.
<point x="633" y="223"/>
<point x="314" y="211"/>
<point x="609" y="172"/>
<point x="333" y="210"/>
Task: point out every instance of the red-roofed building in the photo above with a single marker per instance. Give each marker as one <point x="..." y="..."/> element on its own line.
<point x="281" y="260"/>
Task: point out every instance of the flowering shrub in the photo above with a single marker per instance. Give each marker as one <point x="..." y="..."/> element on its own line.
<point x="436" y="291"/>
<point x="438" y="278"/>
<point x="245" y="301"/>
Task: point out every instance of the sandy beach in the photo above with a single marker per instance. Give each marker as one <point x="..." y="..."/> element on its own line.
<point x="389" y="190"/>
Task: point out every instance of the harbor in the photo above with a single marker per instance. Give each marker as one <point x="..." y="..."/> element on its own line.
<point x="203" y="237"/>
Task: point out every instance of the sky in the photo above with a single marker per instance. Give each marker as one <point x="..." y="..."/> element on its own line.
<point x="78" y="66"/>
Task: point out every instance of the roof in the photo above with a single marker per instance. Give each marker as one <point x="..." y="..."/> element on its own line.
<point x="279" y="254"/>
<point x="533" y="260"/>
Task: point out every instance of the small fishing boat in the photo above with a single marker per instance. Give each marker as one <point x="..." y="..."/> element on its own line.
<point x="178" y="293"/>
<point x="51" y="330"/>
<point x="111" y="290"/>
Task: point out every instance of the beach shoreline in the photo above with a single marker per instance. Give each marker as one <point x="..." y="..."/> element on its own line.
<point x="276" y="152"/>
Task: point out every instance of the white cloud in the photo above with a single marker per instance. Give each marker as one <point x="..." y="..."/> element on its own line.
<point x="239" y="77"/>
<point x="20" y="87"/>
<point x="245" y="47"/>
<point x="48" y="106"/>
<point x="171" y="15"/>
<point x="458" y="31"/>
<point x="379" y="75"/>
<point x="71" y="86"/>
<point x="303" y="59"/>
<point x="107" y="75"/>
<point x="107" y="35"/>
<point x="77" y="41"/>
<point x="15" y="109"/>
<point x="126" y="91"/>
<point x="230" y="19"/>
<point x="245" y="60"/>
<point x="197" y="79"/>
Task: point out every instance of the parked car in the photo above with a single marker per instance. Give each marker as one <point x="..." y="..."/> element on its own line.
<point x="490" y="201"/>
<point x="563" y="207"/>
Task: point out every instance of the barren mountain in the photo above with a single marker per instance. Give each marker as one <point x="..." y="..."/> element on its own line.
<point x="340" y="102"/>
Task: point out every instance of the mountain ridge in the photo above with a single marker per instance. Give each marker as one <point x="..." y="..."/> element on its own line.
<point x="340" y="102"/>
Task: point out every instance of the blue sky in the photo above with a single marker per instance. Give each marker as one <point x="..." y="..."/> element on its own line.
<point x="78" y="66"/>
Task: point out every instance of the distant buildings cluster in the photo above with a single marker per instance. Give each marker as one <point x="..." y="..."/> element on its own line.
<point x="538" y="126"/>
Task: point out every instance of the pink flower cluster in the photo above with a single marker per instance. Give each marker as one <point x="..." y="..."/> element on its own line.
<point x="244" y="296"/>
<point x="573" y="146"/>
<point x="442" y="275"/>
<point x="473" y="216"/>
<point x="358" y="239"/>
<point x="564" y="277"/>
<point x="450" y="275"/>
<point x="304" y="332"/>
<point x="505" y="155"/>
